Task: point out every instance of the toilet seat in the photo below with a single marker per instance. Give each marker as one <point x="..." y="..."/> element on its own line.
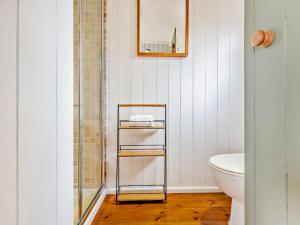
<point x="231" y="164"/>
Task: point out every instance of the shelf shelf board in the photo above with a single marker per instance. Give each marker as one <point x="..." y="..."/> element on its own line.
<point x="127" y="197"/>
<point x="154" y="126"/>
<point x="141" y="153"/>
<point x="147" y="121"/>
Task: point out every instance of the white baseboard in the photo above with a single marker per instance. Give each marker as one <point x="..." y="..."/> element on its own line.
<point x="96" y="207"/>
<point x="209" y="189"/>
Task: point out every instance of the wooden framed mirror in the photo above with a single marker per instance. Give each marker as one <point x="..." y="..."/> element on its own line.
<point x="162" y="28"/>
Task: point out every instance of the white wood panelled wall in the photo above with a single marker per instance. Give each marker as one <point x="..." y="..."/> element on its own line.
<point x="204" y="92"/>
<point x="36" y="95"/>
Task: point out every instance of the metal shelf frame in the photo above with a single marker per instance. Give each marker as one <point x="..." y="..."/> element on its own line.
<point x="145" y="148"/>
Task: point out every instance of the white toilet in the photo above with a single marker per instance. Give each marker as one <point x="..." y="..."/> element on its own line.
<point x="228" y="171"/>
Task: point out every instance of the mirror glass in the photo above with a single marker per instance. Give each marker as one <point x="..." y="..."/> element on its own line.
<point x="163" y="27"/>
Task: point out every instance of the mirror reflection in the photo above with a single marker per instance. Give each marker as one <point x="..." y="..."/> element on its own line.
<point x="162" y="26"/>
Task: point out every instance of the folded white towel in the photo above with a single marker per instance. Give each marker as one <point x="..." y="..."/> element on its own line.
<point x="141" y="118"/>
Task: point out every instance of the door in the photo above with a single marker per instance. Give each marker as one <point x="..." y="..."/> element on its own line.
<point x="272" y="114"/>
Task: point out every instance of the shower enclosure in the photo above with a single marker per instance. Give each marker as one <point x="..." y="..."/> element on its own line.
<point x="88" y="132"/>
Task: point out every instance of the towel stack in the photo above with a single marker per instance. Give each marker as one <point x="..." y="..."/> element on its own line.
<point x="141" y="120"/>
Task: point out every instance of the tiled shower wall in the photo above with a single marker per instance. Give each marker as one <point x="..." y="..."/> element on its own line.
<point x="91" y="100"/>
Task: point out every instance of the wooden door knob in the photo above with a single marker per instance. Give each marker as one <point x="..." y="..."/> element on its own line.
<point x="262" y="38"/>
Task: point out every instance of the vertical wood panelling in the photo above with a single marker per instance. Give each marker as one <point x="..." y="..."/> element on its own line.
<point x="8" y="112"/>
<point x="149" y="86"/>
<point x="196" y="88"/>
<point x="36" y="118"/>
<point x="186" y="95"/>
<point x="37" y="112"/>
<point x="125" y="73"/>
<point x="174" y="108"/>
<point x="211" y="66"/>
<point x="64" y="99"/>
<point x="224" y="76"/>
<point x="113" y="71"/>
<point x="199" y="95"/>
<point x="137" y="166"/>
<point x="137" y="92"/>
<point x="236" y="75"/>
<point x="162" y="95"/>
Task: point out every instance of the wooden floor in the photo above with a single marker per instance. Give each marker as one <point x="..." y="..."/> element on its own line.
<point x="180" y="209"/>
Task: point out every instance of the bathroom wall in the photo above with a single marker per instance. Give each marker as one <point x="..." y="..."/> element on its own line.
<point x="204" y="92"/>
<point x="36" y="94"/>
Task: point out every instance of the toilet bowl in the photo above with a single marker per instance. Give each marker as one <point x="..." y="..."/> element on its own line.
<point x="228" y="172"/>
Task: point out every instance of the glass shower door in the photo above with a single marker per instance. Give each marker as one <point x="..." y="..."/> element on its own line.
<point x="76" y="111"/>
<point x="91" y="101"/>
<point x="88" y="160"/>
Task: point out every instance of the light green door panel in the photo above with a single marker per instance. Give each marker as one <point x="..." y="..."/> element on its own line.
<point x="272" y="114"/>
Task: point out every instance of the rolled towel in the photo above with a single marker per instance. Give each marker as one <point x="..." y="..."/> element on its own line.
<point x="141" y="120"/>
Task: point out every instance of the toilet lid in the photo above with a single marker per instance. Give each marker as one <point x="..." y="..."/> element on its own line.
<point x="233" y="163"/>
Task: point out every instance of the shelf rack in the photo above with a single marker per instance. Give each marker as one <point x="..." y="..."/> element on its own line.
<point x="126" y="151"/>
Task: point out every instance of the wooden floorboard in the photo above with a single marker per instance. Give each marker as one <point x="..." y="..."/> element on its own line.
<point x="180" y="209"/>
